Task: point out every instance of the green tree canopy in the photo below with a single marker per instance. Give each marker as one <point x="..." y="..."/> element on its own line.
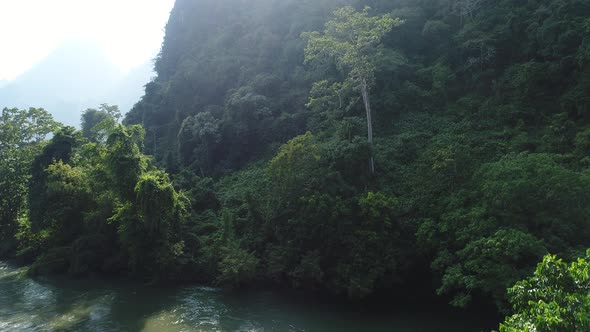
<point x="97" y="124"/>
<point x="22" y="134"/>
<point x="556" y="298"/>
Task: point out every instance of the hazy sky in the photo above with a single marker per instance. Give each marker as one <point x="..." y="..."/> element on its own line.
<point x="129" y="31"/>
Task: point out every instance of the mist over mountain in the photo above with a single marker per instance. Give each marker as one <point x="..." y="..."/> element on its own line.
<point x="130" y="88"/>
<point x="80" y="77"/>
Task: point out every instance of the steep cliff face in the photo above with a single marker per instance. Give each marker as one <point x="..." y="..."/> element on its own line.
<point x="240" y="61"/>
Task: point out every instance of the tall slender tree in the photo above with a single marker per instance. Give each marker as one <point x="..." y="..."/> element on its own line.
<point x="352" y="40"/>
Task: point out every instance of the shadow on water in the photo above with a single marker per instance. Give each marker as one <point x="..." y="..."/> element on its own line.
<point x="61" y="304"/>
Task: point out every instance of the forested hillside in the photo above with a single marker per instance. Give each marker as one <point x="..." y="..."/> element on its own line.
<point x="252" y="161"/>
<point x="481" y="134"/>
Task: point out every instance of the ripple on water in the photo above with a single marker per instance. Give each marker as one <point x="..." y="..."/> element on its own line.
<point x="11" y="275"/>
<point x="36" y="293"/>
<point x="200" y="306"/>
<point x="18" y="322"/>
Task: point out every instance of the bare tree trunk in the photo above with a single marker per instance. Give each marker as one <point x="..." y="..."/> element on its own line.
<point x="365" y="93"/>
<point x="155" y="145"/>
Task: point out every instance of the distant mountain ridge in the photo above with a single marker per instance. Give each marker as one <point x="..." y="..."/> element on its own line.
<point x="76" y="76"/>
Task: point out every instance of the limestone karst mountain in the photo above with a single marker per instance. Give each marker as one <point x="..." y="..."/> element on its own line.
<point x="75" y="76"/>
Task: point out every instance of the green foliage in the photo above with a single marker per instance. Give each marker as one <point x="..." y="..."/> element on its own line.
<point x="246" y="72"/>
<point x="375" y="245"/>
<point x="237" y="266"/>
<point x="481" y="146"/>
<point x="54" y="261"/>
<point x="157" y="201"/>
<point x="556" y="298"/>
<point x="525" y="203"/>
<point x="330" y="104"/>
<point x="378" y="208"/>
<point x="97" y="125"/>
<point x="22" y="133"/>
<point x="125" y="161"/>
<point x="536" y="190"/>
<point x="67" y="197"/>
<point x="352" y="40"/>
<point x="95" y="206"/>
<point x="149" y="225"/>
<point x="482" y="143"/>
<point x="202" y="131"/>
<point x="294" y="162"/>
<point x="59" y="149"/>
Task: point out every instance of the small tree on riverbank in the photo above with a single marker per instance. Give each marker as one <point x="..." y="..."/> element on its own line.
<point x="556" y="298"/>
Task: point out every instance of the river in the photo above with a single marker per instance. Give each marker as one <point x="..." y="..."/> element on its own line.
<point x="61" y="304"/>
